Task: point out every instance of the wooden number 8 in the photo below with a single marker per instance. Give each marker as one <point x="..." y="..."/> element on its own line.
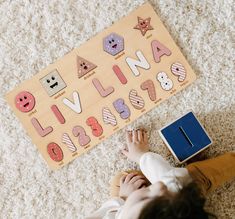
<point x="97" y="129"/>
<point x="83" y="138"/>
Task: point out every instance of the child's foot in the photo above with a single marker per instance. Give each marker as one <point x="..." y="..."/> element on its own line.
<point x="137" y="144"/>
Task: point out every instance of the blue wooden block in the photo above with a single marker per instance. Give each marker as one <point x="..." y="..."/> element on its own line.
<point x="185" y="137"/>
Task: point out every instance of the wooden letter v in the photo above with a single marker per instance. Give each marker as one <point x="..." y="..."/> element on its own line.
<point x="76" y="105"/>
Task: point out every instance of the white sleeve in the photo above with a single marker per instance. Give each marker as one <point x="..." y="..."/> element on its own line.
<point x="154" y="166"/>
<point x="109" y="210"/>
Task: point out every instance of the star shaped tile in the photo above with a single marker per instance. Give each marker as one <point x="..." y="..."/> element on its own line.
<point x="143" y="25"/>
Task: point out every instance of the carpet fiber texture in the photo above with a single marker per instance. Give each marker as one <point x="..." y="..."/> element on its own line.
<point x="34" y="34"/>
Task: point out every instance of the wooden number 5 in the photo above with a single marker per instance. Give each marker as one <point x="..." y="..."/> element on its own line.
<point x="83" y="138"/>
<point x="97" y="129"/>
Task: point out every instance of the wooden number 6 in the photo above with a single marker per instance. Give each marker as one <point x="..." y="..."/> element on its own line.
<point x="83" y="138"/>
<point x="97" y="129"/>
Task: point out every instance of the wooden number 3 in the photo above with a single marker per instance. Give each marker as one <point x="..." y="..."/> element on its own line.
<point x="83" y="138"/>
<point x="97" y="129"/>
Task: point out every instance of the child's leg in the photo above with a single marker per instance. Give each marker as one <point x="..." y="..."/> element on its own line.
<point x="115" y="182"/>
<point x="212" y="173"/>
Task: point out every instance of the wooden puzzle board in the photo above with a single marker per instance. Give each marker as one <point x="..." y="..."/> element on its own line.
<point x="106" y="96"/>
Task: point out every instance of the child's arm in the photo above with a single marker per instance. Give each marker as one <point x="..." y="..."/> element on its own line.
<point x="152" y="165"/>
<point x="111" y="208"/>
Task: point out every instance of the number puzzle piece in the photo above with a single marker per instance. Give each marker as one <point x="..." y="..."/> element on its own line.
<point x="84" y="66"/>
<point x="24" y="101"/>
<point x="166" y="83"/>
<point x="67" y="140"/>
<point x="143" y="25"/>
<point x="52" y="83"/>
<point x="136" y="101"/>
<point x="76" y="105"/>
<point x="113" y="44"/>
<point x="142" y="62"/>
<point x="108" y="117"/>
<point x="42" y="132"/>
<point x="83" y="138"/>
<point x="97" y="129"/>
<point x="179" y="70"/>
<point x="122" y="108"/>
<point x="55" y="152"/>
<point x="103" y="92"/>
<point x="159" y="50"/>
<point x="149" y="86"/>
<point x="119" y="74"/>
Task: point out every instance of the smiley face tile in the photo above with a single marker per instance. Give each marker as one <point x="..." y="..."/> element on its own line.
<point x="84" y="66"/>
<point x="143" y="25"/>
<point x="52" y="83"/>
<point x="113" y="44"/>
<point x="24" y="101"/>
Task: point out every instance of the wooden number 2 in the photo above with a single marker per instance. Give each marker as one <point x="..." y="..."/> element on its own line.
<point x="97" y="129"/>
<point x="83" y="138"/>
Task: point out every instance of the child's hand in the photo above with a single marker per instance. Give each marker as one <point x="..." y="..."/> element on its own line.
<point x="131" y="182"/>
<point x="137" y="144"/>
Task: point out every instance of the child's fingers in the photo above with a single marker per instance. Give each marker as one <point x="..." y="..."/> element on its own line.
<point x="140" y="135"/>
<point x="129" y="136"/>
<point x="122" y="179"/>
<point x="139" y="183"/>
<point x="125" y="152"/>
<point x="145" y="137"/>
<point x="134" y="135"/>
<point x="129" y="177"/>
<point x="136" y="178"/>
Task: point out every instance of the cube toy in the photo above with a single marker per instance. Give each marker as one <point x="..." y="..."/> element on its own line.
<point x="185" y="137"/>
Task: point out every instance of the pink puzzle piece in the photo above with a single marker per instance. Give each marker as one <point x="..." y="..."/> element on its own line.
<point x="103" y="92"/>
<point x="24" y="101"/>
<point x="42" y="132"/>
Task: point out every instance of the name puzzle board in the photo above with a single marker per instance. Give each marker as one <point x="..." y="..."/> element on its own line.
<point x="100" y="87"/>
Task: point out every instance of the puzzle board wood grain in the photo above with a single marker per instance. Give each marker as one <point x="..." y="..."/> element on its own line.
<point x="100" y="87"/>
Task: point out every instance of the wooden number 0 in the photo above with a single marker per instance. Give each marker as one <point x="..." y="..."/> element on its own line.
<point x="55" y="152"/>
<point x="97" y="129"/>
<point x="83" y="138"/>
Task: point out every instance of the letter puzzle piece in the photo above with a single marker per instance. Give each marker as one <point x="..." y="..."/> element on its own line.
<point x="76" y="104"/>
<point x="84" y="66"/>
<point x="159" y="50"/>
<point x="142" y="62"/>
<point x="53" y="83"/>
<point x="103" y="92"/>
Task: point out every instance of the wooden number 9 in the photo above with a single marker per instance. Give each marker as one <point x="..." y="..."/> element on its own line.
<point x="83" y="138"/>
<point x="97" y="129"/>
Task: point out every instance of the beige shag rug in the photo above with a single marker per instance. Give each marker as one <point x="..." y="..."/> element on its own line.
<point x="34" y="34"/>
